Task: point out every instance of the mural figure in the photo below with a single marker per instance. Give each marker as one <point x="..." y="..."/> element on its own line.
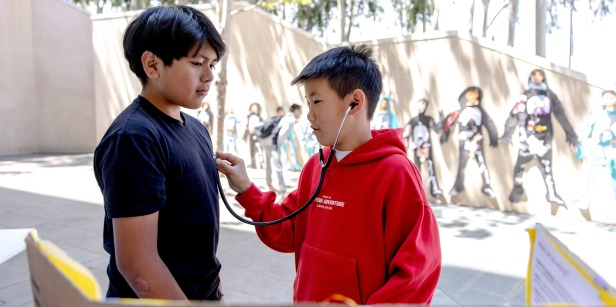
<point x="470" y="118"/>
<point x="532" y="114"/>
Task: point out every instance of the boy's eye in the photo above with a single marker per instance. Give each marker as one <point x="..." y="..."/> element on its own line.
<point x="197" y="63"/>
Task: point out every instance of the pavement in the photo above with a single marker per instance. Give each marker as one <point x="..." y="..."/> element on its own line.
<point x="485" y="251"/>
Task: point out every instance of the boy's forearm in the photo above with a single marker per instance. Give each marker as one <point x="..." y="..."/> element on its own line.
<point x="151" y="278"/>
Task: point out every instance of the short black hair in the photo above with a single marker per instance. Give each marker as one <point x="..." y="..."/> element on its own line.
<point x="613" y="92"/>
<point x="170" y="32"/>
<point x="424" y="100"/>
<point x="347" y="68"/>
<point x="294" y="107"/>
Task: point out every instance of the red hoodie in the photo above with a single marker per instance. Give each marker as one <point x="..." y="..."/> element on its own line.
<point x="370" y="235"/>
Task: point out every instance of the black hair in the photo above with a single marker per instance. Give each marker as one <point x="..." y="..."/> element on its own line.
<point x="541" y="72"/>
<point x="426" y="101"/>
<point x="346" y="69"/>
<point x="462" y="98"/>
<point x="294" y="107"/>
<point x="258" y="108"/>
<point x="613" y="92"/>
<point x="170" y="32"/>
<point x="423" y="100"/>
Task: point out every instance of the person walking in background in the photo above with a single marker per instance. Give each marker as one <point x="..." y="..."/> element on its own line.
<point x="293" y="152"/>
<point x="417" y="139"/>
<point x="384" y="118"/>
<point x="532" y="115"/>
<point x="206" y="117"/>
<point x="154" y="164"/>
<point x="252" y="120"/>
<point x="230" y="136"/>
<point x="272" y="148"/>
<point x="597" y="147"/>
<point x="288" y="149"/>
<point x="470" y="118"/>
<point x="310" y="141"/>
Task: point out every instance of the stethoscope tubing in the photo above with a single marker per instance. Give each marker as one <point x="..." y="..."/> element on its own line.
<point x="324" y="167"/>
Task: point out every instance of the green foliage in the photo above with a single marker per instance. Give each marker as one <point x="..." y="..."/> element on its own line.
<point x="413" y="12"/>
<point x="315" y="16"/>
<point x="599" y="8"/>
<point x="125" y="5"/>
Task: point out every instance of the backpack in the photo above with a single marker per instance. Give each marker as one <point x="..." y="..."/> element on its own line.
<point x="268" y="127"/>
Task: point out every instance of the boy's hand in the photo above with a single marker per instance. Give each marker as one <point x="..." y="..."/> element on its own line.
<point x="233" y="167"/>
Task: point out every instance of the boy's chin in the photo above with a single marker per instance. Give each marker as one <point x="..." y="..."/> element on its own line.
<point x="192" y="105"/>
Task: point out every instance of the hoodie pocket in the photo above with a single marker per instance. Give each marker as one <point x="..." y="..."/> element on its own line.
<point x="321" y="274"/>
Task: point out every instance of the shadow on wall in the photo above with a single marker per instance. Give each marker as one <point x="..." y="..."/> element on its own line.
<point x="439" y="67"/>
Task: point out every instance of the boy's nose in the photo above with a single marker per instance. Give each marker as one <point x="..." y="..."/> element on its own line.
<point x="207" y="75"/>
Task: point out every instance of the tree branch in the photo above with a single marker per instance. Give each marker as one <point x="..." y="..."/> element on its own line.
<point x="499" y="11"/>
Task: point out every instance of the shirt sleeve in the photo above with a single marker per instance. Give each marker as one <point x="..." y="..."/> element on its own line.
<point x="131" y="175"/>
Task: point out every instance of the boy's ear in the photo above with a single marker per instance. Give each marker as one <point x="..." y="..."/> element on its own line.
<point x="359" y="101"/>
<point x="149" y="61"/>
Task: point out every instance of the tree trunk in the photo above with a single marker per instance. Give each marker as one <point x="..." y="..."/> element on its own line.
<point x="224" y="15"/>
<point x="99" y="6"/>
<point x="570" y="33"/>
<point x="472" y="17"/>
<point x="435" y="15"/>
<point x="342" y="16"/>
<point x="513" y="19"/>
<point x="541" y="8"/>
<point x="136" y="5"/>
<point x="352" y="14"/>
<point x="486" y="5"/>
<point x="424" y="18"/>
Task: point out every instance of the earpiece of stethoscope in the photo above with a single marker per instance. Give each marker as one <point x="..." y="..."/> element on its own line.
<point x="324" y="167"/>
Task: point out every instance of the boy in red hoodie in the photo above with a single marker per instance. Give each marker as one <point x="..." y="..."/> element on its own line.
<point x="370" y="234"/>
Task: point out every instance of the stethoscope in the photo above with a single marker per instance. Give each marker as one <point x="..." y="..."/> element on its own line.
<point x="324" y="167"/>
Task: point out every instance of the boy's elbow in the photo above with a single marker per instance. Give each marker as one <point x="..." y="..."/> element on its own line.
<point x="127" y="267"/>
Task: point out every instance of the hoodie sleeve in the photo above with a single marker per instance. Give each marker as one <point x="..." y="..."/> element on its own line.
<point x="261" y="207"/>
<point x="447" y="124"/>
<point x="412" y="245"/>
<point x="434" y="126"/>
<point x="286" y="127"/>
<point x="406" y="134"/>
<point x="510" y="125"/>
<point x="559" y="113"/>
<point x="491" y="128"/>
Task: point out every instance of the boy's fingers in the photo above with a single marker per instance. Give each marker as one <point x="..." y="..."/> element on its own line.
<point x="228" y="158"/>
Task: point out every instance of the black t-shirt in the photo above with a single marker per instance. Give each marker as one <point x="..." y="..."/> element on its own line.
<point x="146" y="162"/>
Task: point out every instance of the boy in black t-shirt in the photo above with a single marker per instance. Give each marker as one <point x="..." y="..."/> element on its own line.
<point x="154" y="164"/>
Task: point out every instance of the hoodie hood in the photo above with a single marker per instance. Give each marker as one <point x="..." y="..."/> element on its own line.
<point x="462" y="98"/>
<point x="384" y="142"/>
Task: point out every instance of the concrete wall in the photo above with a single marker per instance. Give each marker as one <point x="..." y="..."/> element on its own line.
<point x="46" y="88"/>
<point x="64" y="79"/>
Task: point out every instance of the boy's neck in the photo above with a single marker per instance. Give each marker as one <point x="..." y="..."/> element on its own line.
<point x="160" y="103"/>
<point x="361" y="135"/>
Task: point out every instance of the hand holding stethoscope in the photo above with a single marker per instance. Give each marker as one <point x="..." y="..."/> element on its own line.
<point x="233" y="167"/>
